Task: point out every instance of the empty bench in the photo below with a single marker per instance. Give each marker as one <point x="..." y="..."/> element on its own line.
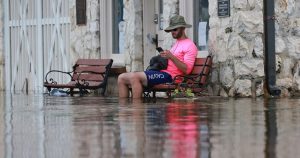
<point x="87" y="74"/>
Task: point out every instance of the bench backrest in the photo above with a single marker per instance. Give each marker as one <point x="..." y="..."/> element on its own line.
<point x="91" y="69"/>
<point x="202" y="67"/>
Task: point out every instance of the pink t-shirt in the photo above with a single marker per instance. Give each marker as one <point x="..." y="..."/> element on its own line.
<point x="186" y="51"/>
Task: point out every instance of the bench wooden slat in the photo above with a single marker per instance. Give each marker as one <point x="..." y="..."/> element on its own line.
<point x="96" y="69"/>
<point x="71" y="84"/>
<point x="196" y="70"/>
<point x="88" y="77"/>
<point x="102" y="62"/>
<point x="206" y="71"/>
<point x="200" y="61"/>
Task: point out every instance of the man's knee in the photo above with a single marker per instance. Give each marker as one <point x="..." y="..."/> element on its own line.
<point x="122" y="77"/>
<point x="138" y="78"/>
<point x="130" y="78"/>
<point x="125" y="77"/>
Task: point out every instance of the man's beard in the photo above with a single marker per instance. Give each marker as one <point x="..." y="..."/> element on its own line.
<point x="179" y="34"/>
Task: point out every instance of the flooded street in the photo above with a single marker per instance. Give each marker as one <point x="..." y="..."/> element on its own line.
<point x="42" y="126"/>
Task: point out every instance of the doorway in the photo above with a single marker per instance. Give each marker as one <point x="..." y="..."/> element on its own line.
<point x="153" y="24"/>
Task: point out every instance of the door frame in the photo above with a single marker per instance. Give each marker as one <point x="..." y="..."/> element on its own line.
<point x="152" y="33"/>
<point x="6" y="48"/>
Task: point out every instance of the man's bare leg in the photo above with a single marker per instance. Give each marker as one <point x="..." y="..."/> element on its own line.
<point x="135" y="80"/>
<point x="123" y="82"/>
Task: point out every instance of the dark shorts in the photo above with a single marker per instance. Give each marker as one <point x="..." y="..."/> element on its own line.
<point x="157" y="77"/>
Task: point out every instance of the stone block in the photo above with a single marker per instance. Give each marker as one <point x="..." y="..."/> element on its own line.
<point x="213" y="8"/>
<point x="237" y="46"/>
<point x="259" y="89"/>
<point x="226" y="75"/>
<point x="258" y="49"/>
<point x="215" y="75"/>
<point x="259" y="5"/>
<point x="252" y="4"/>
<point x="223" y="93"/>
<point x="278" y="63"/>
<point x="293" y="45"/>
<point x="242" y="88"/>
<point x="284" y="82"/>
<point x="249" y="67"/>
<point x="280" y="45"/>
<point x="285" y="6"/>
<point x="248" y="22"/>
<point x="93" y="9"/>
<point x="286" y="66"/>
<point x="94" y="26"/>
<point x="296" y="76"/>
<point x="240" y="4"/>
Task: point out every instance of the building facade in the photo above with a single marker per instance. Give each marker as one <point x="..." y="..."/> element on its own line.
<point x="50" y="34"/>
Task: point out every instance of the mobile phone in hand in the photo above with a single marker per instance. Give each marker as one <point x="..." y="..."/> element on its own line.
<point x="159" y="49"/>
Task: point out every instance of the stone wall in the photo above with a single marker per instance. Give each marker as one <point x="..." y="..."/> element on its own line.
<point x="85" y="39"/>
<point x="287" y="26"/>
<point x="237" y="42"/>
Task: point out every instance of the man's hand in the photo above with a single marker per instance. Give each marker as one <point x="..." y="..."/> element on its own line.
<point x="180" y="65"/>
<point x="166" y="54"/>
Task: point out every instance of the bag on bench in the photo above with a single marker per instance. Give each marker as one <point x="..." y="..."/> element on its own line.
<point x="158" y="63"/>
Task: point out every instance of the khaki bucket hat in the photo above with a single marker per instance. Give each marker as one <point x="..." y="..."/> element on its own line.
<point x="176" y="22"/>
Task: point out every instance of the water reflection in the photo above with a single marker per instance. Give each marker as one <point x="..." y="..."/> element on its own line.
<point x="186" y="124"/>
<point x="237" y="128"/>
<point x="38" y="126"/>
<point x="271" y="128"/>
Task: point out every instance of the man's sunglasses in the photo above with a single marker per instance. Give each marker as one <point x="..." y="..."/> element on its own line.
<point x="174" y="30"/>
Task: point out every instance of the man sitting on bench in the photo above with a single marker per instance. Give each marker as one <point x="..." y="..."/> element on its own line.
<point x="181" y="58"/>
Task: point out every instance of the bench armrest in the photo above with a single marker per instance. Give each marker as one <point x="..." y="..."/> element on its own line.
<point x="51" y="80"/>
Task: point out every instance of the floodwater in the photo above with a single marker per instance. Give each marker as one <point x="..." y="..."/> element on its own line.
<point x="42" y="126"/>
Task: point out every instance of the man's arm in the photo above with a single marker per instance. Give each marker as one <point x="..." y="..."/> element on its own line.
<point x="187" y="64"/>
<point x="179" y="64"/>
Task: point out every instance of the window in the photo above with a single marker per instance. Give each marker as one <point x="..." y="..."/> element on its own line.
<point x="112" y="30"/>
<point x="201" y="24"/>
<point x="81" y="12"/>
<point x="118" y="27"/>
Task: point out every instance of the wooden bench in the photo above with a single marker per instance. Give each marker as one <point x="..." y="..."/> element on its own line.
<point x="86" y="74"/>
<point x="197" y="80"/>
